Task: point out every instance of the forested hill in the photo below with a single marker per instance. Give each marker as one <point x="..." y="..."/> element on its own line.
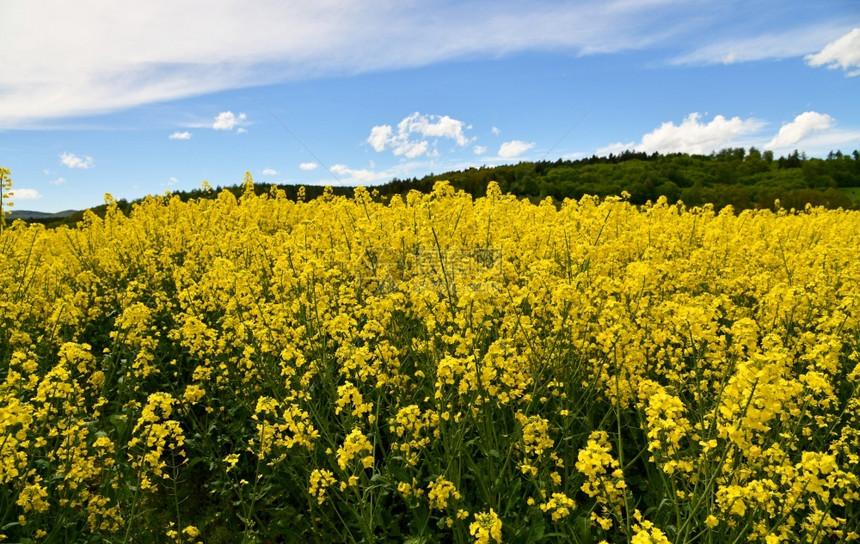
<point x="738" y="177"/>
<point x="744" y="179"/>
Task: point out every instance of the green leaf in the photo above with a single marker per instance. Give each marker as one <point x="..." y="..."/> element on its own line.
<point x="538" y="528"/>
<point x="120" y="423"/>
<point x="583" y="529"/>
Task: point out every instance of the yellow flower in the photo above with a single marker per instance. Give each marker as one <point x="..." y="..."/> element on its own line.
<point x="32" y="498"/>
<point x="353" y="446"/>
<point x="486" y="526"/>
<point x="440" y="491"/>
<point x="320" y="480"/>
<point x="231" y="461"/>
<point x="560" y="505"/>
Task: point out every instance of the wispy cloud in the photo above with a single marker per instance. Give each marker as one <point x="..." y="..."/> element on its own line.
<point x="741" y="47"/>
<point x="480" y="149"/>
<point x="95" y="58"/>
<point x="841" y="53"/>
<point x="372" y="176"/>
<point x="58" y="181"/>
<point x="270" y="172"/>
<point x="307" y="166"/>
<point x="180" y="136"/>
<point x="25" y="194"/>
<point x="73" y="161"/>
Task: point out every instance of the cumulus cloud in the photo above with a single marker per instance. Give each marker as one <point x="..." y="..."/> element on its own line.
<point x="514" y="148"/>
<point x="180" y="136"/>
<point x="694" y="136"/>
<point x="417" y="134"/>
<point x="496" y="131"/>
<point x="73" y="161"/>
<point x="25" y="194"/>
<point x="227" y="120"/>
<point x="480" y="149"/>
<point x="307" y="166"/>
<point x="379" y="136"/>
<point x="691" y="136"/>
<point x="270" y="172"/>
<point x="841" y="53"/>
<point x="804" y="125"/>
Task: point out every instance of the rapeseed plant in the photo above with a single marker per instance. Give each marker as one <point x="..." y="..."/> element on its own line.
<point x="433" y="367"/>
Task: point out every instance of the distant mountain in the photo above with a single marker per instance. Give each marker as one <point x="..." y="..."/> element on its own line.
<point x="29" y="214"/>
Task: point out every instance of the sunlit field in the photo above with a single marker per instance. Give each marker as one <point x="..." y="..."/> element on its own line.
<point x="436" y="368"/>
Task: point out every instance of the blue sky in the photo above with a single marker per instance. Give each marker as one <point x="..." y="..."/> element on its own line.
<point x="147" y="97"/>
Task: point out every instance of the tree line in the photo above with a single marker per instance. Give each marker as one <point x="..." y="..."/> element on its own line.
<point x="744" y="179"/>
<point x="738" y="177"/>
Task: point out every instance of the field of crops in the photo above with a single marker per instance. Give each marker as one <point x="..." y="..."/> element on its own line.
<point x="436" y="368"/>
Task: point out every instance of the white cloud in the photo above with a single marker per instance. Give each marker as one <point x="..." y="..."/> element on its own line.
<point x="795" y="42"/>
<point x="496" y="131"/>
<point x="615" y="149"/>
<point x="270" y="172"/>
<point x="349" y="176"/>
<point x="58" y="181"/>
<point x="101" y="56"/>
<point x="379" y="136"/>
<point x="841" y="53"/>
<point x="410" y="150"/>
<point x="694" y="136"/>
<point x="25" y="194"/>
<point x="815" y="131"/>
<point x="691" y="136"/>
<point x="514" y="148"/>
<point x="804" y="125"/>
<point x="308" y="166"/>
<point x="241" y="131"/>
<point x="98" y="57"/>
<point x="480" y="149"/>
<point x="180" y="136"/>
<point x="818" y="144"/>
<point x="73" y="161"/>
<point x="429" y="129"/>
<point x="227" y="120"/>
<point x="433" y="126"/>
<point x="172" y="181"/>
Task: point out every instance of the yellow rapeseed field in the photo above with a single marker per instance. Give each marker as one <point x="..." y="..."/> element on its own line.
<point x="436" y="368"/>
